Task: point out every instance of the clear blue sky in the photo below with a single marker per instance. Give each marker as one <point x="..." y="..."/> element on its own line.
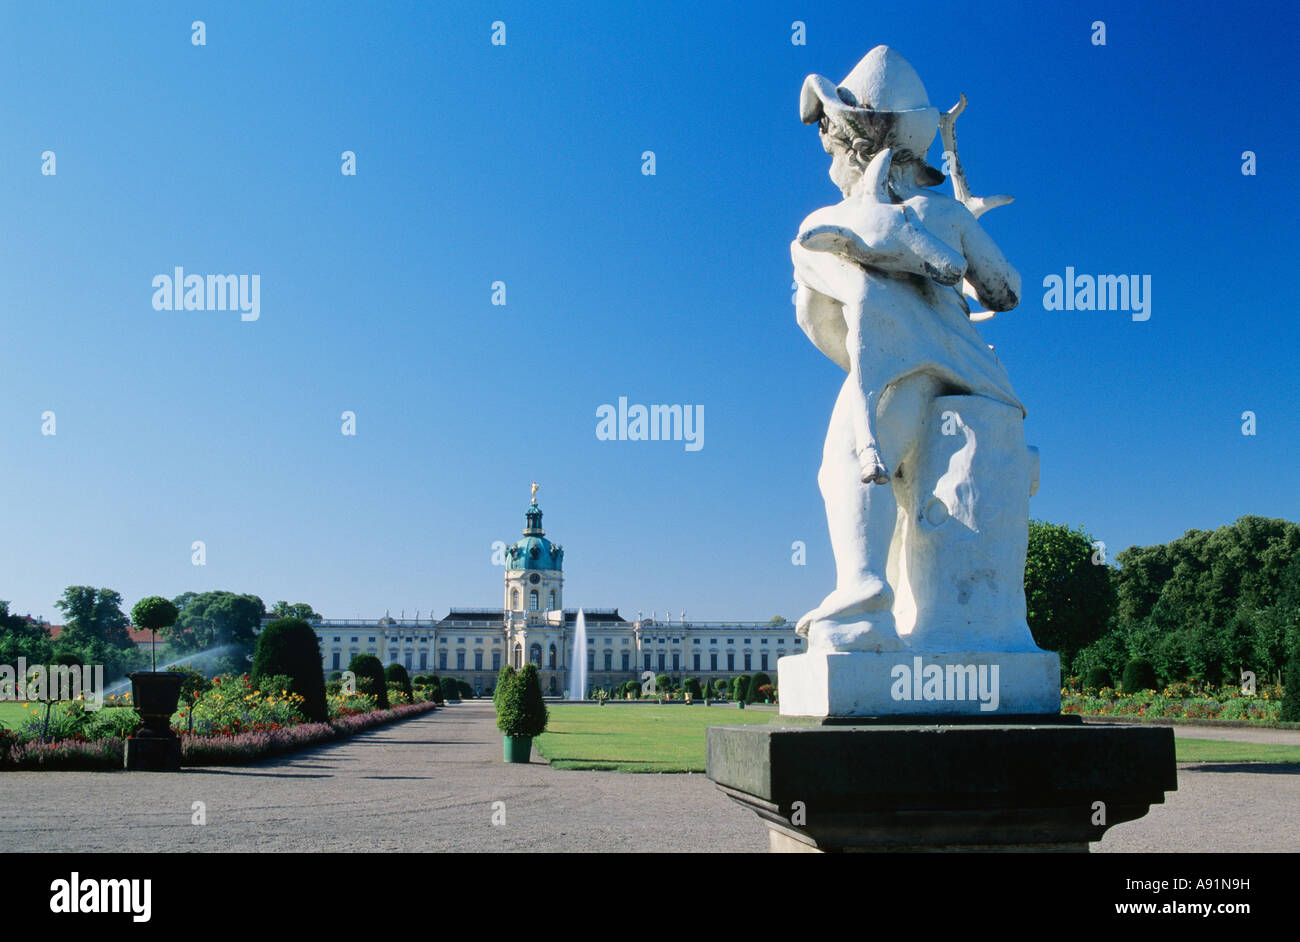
<point x="522" y="163"/>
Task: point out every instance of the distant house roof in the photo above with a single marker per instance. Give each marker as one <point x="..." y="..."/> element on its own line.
<point x="138" y="635"/>
<point x="473" y="618"/>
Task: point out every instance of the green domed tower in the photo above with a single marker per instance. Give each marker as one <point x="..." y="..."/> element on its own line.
<point x="534" y="568"/>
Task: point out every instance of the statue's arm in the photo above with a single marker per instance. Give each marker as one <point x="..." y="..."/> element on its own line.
<point x="996" y="282"/>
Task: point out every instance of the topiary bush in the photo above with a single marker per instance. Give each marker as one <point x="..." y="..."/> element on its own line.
<point x="396" y="674"/>
<point x="466" y="691"/>
<point x="420" y="680"/>
<point x="740" y="688"/>
<point x="521" y="711"/>
<point x="1098" y="677"/>
<point x="663" y="685"/>
<point x="1139" y="674"/>
<point x="289" y="646"/>
<point x="503" y="680"/>
<point x="1290" y="712"/>
<point x="720" y="687"/>
<point x="368" y="669"/>
<point x="692" y="686"/>
<point x="760" y="679"/>
<point x="450" y="687"/>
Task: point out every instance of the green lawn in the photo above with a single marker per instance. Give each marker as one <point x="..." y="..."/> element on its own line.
<point x="672" y="739"/>
<point x="635" y="738"/>
<point x="13" y="715"/>
<point x="1218" y="750"/>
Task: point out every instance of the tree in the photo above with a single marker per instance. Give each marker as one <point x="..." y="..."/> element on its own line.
<point x="1291" y="690"/>
<point x="720" y="687"/>
<point x="289" y="646"/>
<point x="503" y="678"/>
<point x="777" y="621"/>
<point x="396" y="674"/>
<point x="154" y="613"/>
<point x="214" y="619"/>
<point x="450" y="687"/>
<point x="23" y="637"/>
<point x="1139" y="675"/>
<point x="692" y="686"/>
<point x="367" y="668"/>
<point x="92" y="615"/>
<point x="522" y="711"/>
<point x="1068" y="598"/>
<point x="740" y="688"/>
<point x="663" y="685"/>
<point x="296" y="610"/>
<point x="760" y="679"/>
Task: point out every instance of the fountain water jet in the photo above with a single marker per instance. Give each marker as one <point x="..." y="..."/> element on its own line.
<point x="578" y="670"/>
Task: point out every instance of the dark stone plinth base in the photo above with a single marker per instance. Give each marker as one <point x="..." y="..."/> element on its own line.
<point x="942" y="788"/>
<point x="153" y="754"/>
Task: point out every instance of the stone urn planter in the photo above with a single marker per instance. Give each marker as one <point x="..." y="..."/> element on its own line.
<point x="154" y="747"/>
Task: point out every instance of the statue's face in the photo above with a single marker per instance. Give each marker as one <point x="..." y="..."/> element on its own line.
<point x="845" y="170"/>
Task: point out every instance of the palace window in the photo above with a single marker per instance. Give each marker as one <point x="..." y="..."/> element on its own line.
<point x="514" y="599"/>
<point x="460" y="660"/>
<point x="496" y="660"/>
<point x="353" y="640"/>
<point x="591" y="660"/>
<point x="442" y="660"/>
<point x="747" y="657"/>
<point x="763" y="660"/>
<point x="336" y="660"/>
<point x="609" y="660"/>
<point x="731" y="660"/>
<point x="532" y="600"/>
<point x="647" y="662"/>
<point x="478" y="660"/>
<point x="697" y="661"/>
<point x="713" y="662"/>
<point x="662" y="661"/>
<point x="627" y="662"/>
<point x="551" y="661"/>
<point x="535" y="654"/>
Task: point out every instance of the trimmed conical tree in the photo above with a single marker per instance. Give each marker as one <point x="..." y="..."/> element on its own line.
<point x="503" y="679"/>
<point x="758" y="680"/>
<point x="521" y="711"/>
<point x="289" y="646"/>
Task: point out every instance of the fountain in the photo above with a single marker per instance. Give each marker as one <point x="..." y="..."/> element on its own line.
<point x="578" y="669"/>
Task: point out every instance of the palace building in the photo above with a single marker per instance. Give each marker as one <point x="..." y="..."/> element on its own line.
<point x="533" y="625"/>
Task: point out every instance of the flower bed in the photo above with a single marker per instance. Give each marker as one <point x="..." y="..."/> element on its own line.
<point x="241" y="748"/>
<point x="1184" y="701"/>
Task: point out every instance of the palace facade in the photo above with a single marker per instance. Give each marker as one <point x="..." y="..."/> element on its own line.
<point x="533" y="625"/>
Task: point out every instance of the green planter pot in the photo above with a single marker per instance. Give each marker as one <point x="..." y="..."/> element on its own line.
<point x="517" y="748"/>
<point x="740" y="704"/>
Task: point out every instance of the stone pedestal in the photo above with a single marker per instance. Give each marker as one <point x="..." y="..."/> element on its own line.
<point x="153" y="754"/>
<point x="1044" y="784"/>
<point x="869" y="684"/>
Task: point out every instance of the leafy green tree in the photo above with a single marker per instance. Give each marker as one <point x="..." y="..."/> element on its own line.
<point x="777" y="621"/>
<point x="721" y="687"/>
<point x="663" y="685"/>
<point x="23" y="637"/>
<point x="692" y="686"/>
<point x="289" y="646"/>
<point x="758" y="680"/>
<point x="92" y="615"/>
<point x="1068" y="598"/>
<point x="296" y="610"/>
<point x="1291" y="690"/>
<point x="367" y="669"/>
<point x="213" y="619"/>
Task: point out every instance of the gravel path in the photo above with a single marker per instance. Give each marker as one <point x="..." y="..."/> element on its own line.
<point x="430" y="783"/>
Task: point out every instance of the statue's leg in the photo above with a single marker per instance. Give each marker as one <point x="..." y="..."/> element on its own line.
<point x="861" y="518"/>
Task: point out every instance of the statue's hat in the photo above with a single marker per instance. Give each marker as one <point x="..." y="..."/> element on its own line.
<point x="882" y="100"/>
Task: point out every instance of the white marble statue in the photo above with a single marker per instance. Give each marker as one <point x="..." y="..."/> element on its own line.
<point x="925" y="474"/>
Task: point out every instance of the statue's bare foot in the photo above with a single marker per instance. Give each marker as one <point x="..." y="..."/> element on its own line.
<point x="872" y="467"/>
<point x="857" y="618"/>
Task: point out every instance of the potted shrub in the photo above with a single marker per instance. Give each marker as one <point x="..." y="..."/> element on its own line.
<point x="154" y="694"/>
<point x="521" y="714"/>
